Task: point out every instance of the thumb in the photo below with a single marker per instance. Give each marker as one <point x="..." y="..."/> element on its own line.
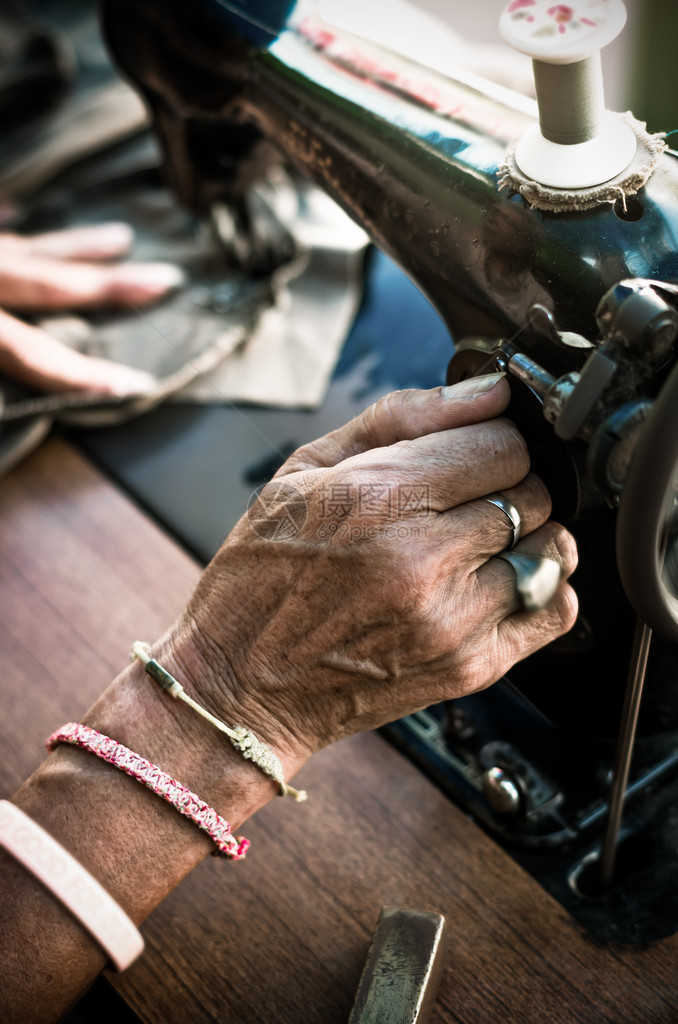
<point x="404" y="416"/>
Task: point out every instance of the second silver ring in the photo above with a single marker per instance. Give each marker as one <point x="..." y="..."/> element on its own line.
<point x="511" y="513"/>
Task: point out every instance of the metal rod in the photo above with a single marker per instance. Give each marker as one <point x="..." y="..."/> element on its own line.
<point x="531" y="373"/>
<point x="625" y="743"/>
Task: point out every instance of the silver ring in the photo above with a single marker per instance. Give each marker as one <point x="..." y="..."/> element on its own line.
<point x="511" y="513"/>
<point x="537" y="579"/>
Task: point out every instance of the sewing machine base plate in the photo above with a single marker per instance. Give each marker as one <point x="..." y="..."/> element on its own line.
<point x="558" y="839"/>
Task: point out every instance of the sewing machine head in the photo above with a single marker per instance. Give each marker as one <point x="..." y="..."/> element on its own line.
<point x="549" y="249"/>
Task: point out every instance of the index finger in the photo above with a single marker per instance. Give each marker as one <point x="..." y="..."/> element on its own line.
<point x="405" y="416"/>
<point x="454" y="466"/>
<point x="84" y="242"/>
<point x="39" y="283"/>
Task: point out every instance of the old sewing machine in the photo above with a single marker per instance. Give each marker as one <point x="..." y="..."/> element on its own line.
<point x="549" y="249"/>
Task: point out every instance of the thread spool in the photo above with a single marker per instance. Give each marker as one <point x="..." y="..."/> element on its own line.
<point x="578" y="143"/>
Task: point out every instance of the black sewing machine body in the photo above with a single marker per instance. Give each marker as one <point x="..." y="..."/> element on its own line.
<point x="413" y="157"/>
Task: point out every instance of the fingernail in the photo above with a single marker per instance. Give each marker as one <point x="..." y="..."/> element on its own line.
<point x="113" y="237"/>
<point x="126" y="382"/>
<point x="151" y="278"/>
<point x="472" y="386"/>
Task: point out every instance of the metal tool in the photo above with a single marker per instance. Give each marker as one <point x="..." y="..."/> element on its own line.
<point x="403" y="969"/>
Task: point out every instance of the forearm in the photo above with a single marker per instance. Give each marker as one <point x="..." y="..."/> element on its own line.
<point x="133" y="842"/>
<point x="303" y="637"/>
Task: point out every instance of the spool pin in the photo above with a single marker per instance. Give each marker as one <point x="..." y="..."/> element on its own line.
<point x="577" y="143"/>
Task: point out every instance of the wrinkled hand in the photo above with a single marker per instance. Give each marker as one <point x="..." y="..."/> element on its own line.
<point x="70" y="270"/>
<point x="361" y="585"/>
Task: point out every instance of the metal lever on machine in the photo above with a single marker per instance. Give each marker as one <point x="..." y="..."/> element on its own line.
<point x="567" y="400"/>
<point x="401" y="977"/>
<point x="578" y="143"/>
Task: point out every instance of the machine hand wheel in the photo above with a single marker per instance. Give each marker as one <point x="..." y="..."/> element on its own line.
<point x="647" y="527"/>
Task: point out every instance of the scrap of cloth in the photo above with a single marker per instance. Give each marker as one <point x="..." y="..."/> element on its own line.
<point x="223" y="336"/>
<point x="226" y="336"/>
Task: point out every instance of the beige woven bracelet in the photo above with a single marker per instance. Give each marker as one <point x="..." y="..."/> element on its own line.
<point x="244" y="741"/>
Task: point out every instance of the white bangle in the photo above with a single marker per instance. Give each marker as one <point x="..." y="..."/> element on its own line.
<point x="73" y="886"/>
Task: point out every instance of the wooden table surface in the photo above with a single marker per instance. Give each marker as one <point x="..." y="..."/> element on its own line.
<point x="282" y="937"/>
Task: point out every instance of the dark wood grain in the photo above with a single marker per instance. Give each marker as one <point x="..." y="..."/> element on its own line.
<point x="282" y="937"/>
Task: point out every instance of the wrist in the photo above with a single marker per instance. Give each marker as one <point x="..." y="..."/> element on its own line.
<point x="137" y="713"/>
<point x="224" y="684"/>
<point x="134" y="843"/>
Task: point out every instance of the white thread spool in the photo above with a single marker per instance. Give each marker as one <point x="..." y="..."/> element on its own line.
<point x="578" y="143"/>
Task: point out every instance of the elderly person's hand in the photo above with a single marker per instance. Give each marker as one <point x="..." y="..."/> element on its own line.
<point x="362" y="585"/>
<point x="72" y="270"/>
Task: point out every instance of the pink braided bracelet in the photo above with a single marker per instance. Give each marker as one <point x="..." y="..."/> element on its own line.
<point x="158" y="781"/>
